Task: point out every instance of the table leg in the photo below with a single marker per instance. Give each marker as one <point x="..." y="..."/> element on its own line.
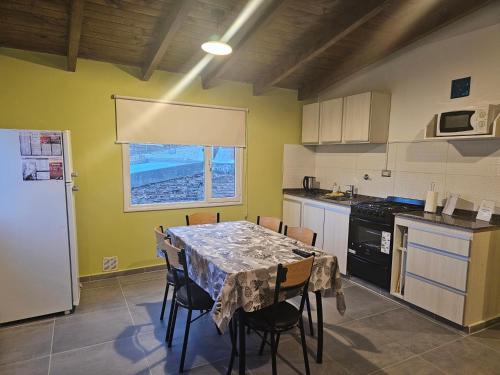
<point x="319" y="310"/>
<point x="241" y="337"/>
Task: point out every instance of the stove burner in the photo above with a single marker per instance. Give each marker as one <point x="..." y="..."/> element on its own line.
<point x="387" y="208"/>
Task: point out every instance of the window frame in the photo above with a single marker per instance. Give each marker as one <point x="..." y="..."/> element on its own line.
<point x="207" y="202"/>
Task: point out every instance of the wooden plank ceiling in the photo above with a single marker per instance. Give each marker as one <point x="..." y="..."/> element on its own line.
<point x="296" y="44"/>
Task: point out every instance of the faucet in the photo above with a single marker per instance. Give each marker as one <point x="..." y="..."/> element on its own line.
<point x="349" y="191"/>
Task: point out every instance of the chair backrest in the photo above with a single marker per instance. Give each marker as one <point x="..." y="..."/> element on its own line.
<point x="203" y="218"/>
<point x="272" y="223"/>
<point x="161" y="243"/>
<point x="177" y="260"/>
<point x="294" y="276"/>
<point x="304" y="235"/>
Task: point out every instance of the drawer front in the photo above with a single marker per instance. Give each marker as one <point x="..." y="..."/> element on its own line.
<point x="440" y="301"/>
<point x="453" y="245"/>
<point x="447" y="270"/>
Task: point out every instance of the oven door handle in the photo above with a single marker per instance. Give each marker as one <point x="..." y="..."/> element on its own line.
<point x="366" y="261"/>
<point x="371" y="223"/>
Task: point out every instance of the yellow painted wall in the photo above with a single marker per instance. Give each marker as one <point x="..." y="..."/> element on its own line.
<point x="37" y="93"/>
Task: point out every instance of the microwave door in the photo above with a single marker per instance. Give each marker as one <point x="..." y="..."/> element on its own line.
<point x="456" y="122"/>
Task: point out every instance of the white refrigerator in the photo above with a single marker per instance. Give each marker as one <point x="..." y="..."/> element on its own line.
<point x="38" y="249"/>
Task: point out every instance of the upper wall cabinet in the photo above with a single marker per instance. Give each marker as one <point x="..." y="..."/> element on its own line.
<point x="310" y="123"/>
<point x="361" y="118"/>
<point x="366" y="118"/>
<point x="330" y="120"/>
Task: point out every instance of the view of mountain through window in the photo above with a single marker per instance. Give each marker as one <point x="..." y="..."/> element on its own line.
<point x="176" y="173"/>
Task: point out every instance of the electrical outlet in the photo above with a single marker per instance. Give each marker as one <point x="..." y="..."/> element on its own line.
<point x="386" y="173"/>
<point x="109" y="263"/>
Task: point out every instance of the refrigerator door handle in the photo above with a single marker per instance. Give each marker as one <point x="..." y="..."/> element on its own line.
<point x="75" y="188"/>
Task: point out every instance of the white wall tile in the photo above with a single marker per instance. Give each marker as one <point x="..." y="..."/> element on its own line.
<point x="340" y="156"/>
<point x="470" y="169"/>
<point x="416" y="185"/>
<point x="473" y="158"/>
<point x="373" y="158"/>
<point x="376" y="185"/>
<point x="392" y="156"/>
<point x="473" y="189"/>
<point x="422" y="157"/>
<point x="341" y="176"/>
<point x="298" y="161"/>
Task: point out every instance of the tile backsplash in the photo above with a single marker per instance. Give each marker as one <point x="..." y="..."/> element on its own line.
<point x="468" y="168"/>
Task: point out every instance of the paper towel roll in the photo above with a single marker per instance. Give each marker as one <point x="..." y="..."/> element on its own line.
<point x="431" y="201"/>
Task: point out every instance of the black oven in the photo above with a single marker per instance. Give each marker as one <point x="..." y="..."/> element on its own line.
<point x="370" y="251"/>
<point x="371" y="226"/>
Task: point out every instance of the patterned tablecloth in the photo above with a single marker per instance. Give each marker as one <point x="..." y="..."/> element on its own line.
<point x="236" y="263"/>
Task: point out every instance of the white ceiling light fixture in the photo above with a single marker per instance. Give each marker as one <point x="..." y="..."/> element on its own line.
<point x="216" y="45"/>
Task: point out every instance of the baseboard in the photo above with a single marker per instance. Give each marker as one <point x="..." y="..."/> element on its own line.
<point x="108" y="275"/>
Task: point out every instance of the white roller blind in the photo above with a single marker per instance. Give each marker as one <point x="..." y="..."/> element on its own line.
<point x="147" y="121"/>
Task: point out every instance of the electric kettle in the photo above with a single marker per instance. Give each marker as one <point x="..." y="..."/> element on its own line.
<point x="308" y="183"/>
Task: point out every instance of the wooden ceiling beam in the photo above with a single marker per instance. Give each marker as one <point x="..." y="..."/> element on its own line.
<point x="290" y="64"/>
<point x="239" y="47"/>
<point x="75" y="32"/>
<point x="174" y="20"/>
<point x="313" y="88"/>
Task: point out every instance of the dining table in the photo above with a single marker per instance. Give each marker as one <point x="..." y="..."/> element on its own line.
<point x="236" y="263"/>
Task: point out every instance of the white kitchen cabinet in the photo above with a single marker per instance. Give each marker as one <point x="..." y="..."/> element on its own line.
<point x="336" y="233"/>
<point x="310" y="123"/>
<point x="330" y="121"/>
<point x="451" y="272"/>
<point x="366" y="118"/>
<point x="292" y="211"/>
<point x="313" y="217"/>
<point x="330" y="221"/>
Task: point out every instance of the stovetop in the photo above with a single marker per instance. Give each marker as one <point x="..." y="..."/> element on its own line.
<point x="387" y="208"/>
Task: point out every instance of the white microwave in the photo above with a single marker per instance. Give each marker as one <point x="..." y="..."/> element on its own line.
<point x="471" y="121"/>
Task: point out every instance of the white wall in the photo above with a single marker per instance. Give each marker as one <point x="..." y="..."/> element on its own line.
<point x="419" y="80"/>
<point x="298" y="161"/>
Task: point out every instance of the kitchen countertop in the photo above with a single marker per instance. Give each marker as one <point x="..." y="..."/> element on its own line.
<point x="319" y="195"/>
<point x="460" y="219"/>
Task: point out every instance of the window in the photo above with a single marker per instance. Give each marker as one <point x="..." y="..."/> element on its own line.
<point x="177" y="176"/>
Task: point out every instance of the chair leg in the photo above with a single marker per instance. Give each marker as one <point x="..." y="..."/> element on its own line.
<point x="232" y="332"/>
<point x="218" y="330"/>
<point x="304" y="345"/>
<point x="170" y="314"/>
<point x="273" y="354"/>
<point x="309" y="315"/>
<point x="184" y="344"/>
<point x="263" y="344"/>
<point x="172" y="327"/>
<point x="278" y="335"/>
<point x="164" y="302"/>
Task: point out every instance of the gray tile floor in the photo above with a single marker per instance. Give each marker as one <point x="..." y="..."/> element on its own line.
<point x="117" y="330"/>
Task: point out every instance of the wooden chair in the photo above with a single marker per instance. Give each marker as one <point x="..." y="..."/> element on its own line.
<point x="308" y="237"/>
<point x="161" y="239"/>
<point x="189" y="296"/>
<point x="272" y="223"/>
<point x="281" y="316"/>
<point x="202" y="218"/>
<point x="304" y="235"/>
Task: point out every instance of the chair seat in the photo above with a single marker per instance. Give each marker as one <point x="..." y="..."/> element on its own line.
<point x="280" y="317"/>
<point x="171" y="278"/>
<point x="200" y="299"/>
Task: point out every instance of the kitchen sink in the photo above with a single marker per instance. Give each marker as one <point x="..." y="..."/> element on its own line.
<point x="344" y="198"/>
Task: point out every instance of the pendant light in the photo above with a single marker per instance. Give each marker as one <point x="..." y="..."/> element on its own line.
<point x="214" y="45"/>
